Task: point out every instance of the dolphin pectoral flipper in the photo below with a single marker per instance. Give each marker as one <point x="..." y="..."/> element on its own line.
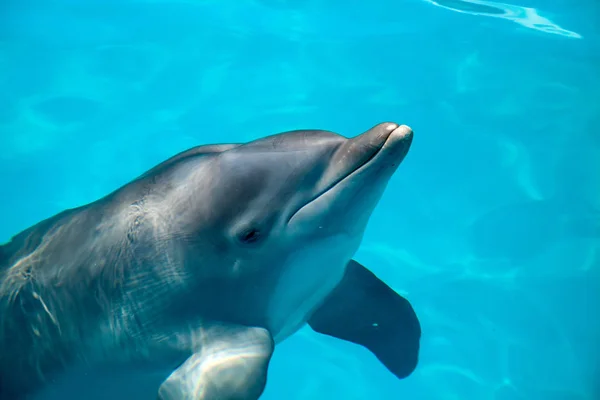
<point x="229" y="366"/>
<point x="364" y="310"/>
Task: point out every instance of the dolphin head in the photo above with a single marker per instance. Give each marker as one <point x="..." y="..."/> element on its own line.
<point x="285" y="202"/>
<point x="297" y="186"/>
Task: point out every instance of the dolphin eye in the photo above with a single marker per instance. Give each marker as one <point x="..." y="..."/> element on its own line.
<point x="250" y="236"/>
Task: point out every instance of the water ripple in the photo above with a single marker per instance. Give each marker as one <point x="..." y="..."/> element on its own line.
<point x="525" y="16"/>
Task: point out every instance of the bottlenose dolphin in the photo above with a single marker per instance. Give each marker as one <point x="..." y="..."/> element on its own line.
<point x="191" y="273"/>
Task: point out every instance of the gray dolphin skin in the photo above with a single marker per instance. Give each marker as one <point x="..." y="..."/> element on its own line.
<point x="179" y="284"/>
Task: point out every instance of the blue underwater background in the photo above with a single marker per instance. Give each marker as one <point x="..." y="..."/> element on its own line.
<point x="490" y="227"/>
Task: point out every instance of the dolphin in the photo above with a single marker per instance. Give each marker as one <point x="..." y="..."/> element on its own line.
<point x="182" y="282"/>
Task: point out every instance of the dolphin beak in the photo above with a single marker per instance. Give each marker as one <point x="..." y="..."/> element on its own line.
<point x="397" y="143"/>
<point x="362" y="164"/>
<point x="385" y="145"/>
<point x="390" y="138"/>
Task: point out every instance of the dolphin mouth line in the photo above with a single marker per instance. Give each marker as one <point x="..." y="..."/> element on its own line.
<point x="342" y="178"/>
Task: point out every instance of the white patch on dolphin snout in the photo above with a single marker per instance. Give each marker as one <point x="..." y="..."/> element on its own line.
<point x="400" y="132"/>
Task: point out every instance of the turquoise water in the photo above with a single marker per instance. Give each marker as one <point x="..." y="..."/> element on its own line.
<point x="490" y="227"/>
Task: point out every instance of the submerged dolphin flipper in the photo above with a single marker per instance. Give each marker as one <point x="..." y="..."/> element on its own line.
<point x="230" y="365"/>
<point x="364" y="310"/>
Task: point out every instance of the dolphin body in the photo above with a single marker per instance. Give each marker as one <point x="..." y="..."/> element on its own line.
<point x="184" y="280"/>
